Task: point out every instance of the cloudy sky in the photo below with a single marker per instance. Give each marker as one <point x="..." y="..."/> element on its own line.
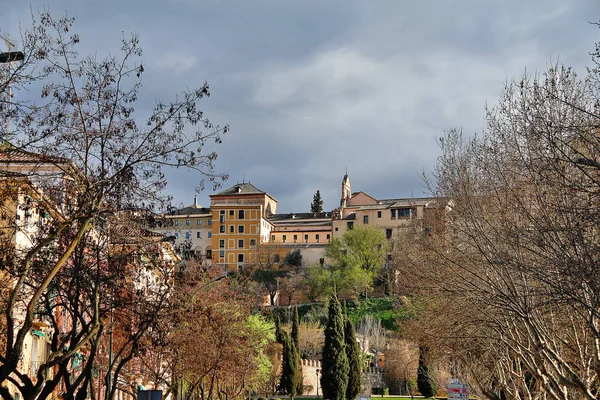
<point x="310" y="88"/>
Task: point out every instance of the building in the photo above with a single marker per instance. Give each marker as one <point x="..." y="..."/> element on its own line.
<point x="191" y="228"/>
<point x="308" y="233"/>
<point x="390" y="215"/>
<point x="240" y="222"/>
<point x="25" y="209"/>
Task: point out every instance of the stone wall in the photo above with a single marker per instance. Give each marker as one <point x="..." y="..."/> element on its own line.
<point x="311" y="372"/>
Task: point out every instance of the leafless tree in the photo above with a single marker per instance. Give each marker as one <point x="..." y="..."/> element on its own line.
<point x="105" y="164"/>
<point x="511" y="274"/>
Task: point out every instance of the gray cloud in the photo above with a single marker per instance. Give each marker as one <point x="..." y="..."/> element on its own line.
<point x="311" y="87"/>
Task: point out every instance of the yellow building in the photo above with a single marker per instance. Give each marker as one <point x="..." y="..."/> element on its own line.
<point x="307" y="232"/>
<point x="301" y="228"/>
<point x="240" y="224"/>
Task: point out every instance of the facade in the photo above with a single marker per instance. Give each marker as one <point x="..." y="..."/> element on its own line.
<point x="301" y="228"/>
<point x="242" y="218"/>
<point x="24" y="211"/>
<point x="35" y="191"/>
<point x="390" y="215"/>
<point x="240" y="223"/>
<point x="191" y="228"/>
<point x="308" y="233"/>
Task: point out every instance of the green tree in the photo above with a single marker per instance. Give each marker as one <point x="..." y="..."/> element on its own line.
<point x="293" y="259"/>
<point x="425" y="381"/>
<point x="317" y="203"/>
<point x="363" y="247"/>
<point x="353" y="354"/>
<point x="289" y="365"/>
<point x="334" y="378"/>
<point x="296" y="342"/>
<point x="354" y="261"/>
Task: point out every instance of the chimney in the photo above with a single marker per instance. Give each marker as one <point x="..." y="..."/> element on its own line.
<point x="195" y="201"/>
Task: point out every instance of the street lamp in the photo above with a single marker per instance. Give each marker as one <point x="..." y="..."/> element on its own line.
<point x="7" y="58"/>
<point x="10" y="56"/>
<point x="318" y="371"/>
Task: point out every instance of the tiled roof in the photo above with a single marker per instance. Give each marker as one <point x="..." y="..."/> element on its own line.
<point x="190" y="210"/>
<point x="299" y="216"/>
<point x="21" y="156"/>
<point x="240" y="189"/>
<point x="124" y="234"/>
<point x="304" y="222"/>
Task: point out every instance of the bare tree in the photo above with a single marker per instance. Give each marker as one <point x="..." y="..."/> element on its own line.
<point x="511" y="274"/>
<point x="109" y="163"/>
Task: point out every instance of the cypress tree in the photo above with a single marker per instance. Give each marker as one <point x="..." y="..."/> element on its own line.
<point x="317" y="204"/>
<point x="425" y="381"/>
<point x="296" y="340"/>
<point x="289" y="365"/>
<point x="334" y="378"/>
<point x="353" y="354"/>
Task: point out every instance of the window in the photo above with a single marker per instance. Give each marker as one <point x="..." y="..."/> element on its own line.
<point x="198" y="222"/>
<point x="317" y="237"/>
<point x="210" y="221"/>
<point x="241" y="258"/>
<point x="350" y="225"/>
<point x="240" y="228"/>
<point x="198" y="236"/>
<point x="276" y="258"/>
<point x="221" y="218"/>
<point x="365" y="219"/>
<point x="305" y="238"/>
<point x="272" y="238"/>
<point x="241" y="214"/>
<point x="284" y="237"/>
<point x="209" y="235"/>
<point x="221" y="243"/>
<point x="388" y="233"/>
<point x="231" y="212"/>
<point x="295" y="238"/>
<point x="188" y="235"/>
<point x="378" y="214"/>
<point x="328" y="237"/>
<point x="187" y="222"/>
<point x="240" y="243"/>
<point x="252" y="243"/>
<point x="221" y="212"/>
<point x="336" y="229"/>
<point x="208" y="254"/>
<point x="222" y="229"/>
<point x="231" y="228"/>
<point x="404" y="212"/>
<point x="393" y="214"/>
<point x="176" y="222"/>
<point x="221" y="253"/>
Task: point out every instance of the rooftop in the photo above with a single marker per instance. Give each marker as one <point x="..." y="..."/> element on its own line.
<point x="239" y="189"/>
<point x="190" y="210"/>
<point x="14" y="155"/>
<point x="299" y="216"/>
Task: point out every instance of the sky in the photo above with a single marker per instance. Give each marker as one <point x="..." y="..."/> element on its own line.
<point x="312" y="88"/>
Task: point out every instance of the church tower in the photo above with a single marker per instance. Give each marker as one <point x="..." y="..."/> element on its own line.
<point x="346" y="190"/>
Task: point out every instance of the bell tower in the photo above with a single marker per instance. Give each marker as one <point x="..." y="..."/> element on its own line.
<point x="346" y="190"/>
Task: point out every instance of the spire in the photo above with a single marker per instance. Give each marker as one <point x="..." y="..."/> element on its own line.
<point x="346" y="190"/>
